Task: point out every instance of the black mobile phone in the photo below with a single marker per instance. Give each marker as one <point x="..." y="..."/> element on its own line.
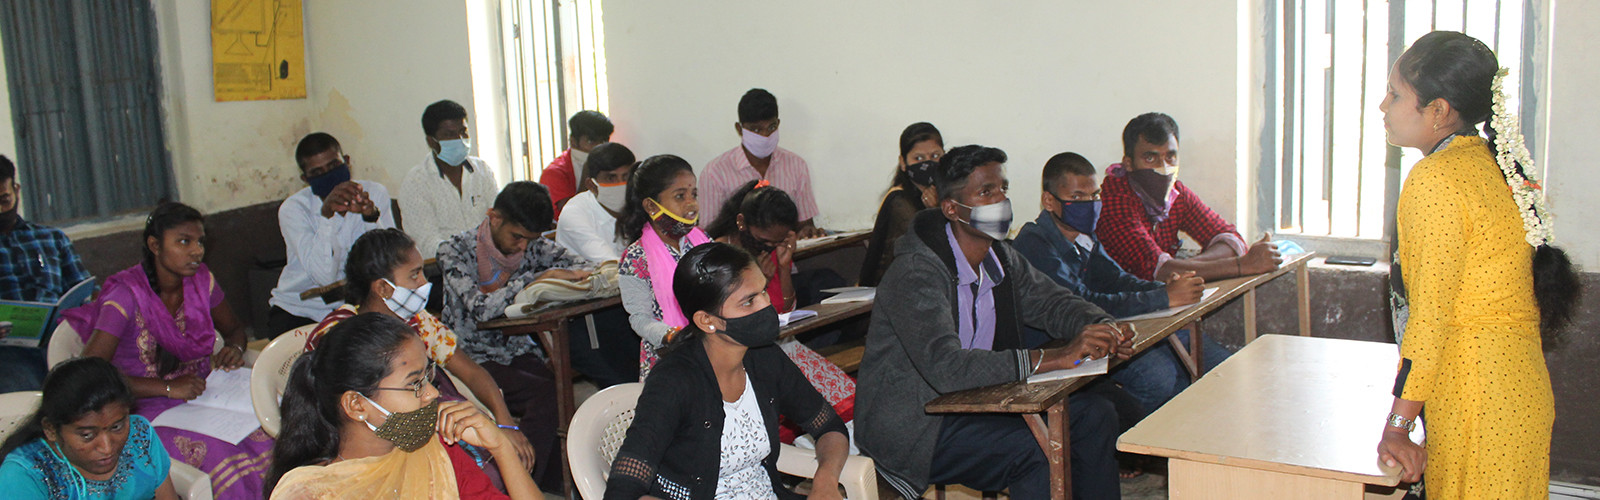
<point x="1351" y="261"/>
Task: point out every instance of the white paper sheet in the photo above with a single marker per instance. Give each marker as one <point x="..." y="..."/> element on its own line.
<point x="864" y="294"/>
<point x="1205" y="294"/>
<point x="796" y="315"/>
<point x="1090" y="367"/>
<point x="223" y="411"/>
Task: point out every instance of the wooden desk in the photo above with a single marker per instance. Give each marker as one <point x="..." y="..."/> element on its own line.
<point x="813" y="247"/>
<point x="1043" y="405"/>
<point x="1285" y="417"/>
<point x="827" y="315"/>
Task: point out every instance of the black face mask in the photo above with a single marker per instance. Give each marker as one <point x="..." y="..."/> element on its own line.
<point x="922" y="173"/>
<point x="756" y="329"/>
<point x="9" y="220"/>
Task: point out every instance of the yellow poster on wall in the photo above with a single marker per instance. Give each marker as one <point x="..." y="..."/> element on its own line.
<point x="258" y="50"/>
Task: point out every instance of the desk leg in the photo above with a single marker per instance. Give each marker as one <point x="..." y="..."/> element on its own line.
<point x="1302" y="279"/>
<point x="561" y="362"/>
<point x="1051" y="432"/>
<point x="1250" y="316"/>
<point x="1196" y="351"/>
<point x="1183" y="354"/>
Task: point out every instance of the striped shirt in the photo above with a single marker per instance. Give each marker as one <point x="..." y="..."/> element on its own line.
<point x="732" y="169"/>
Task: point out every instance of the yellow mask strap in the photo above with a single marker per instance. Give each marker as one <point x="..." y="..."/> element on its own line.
<point x="669" y="213"/>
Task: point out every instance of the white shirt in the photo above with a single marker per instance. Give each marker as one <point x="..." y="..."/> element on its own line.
<point x="588" y="229"/>
<point x="744" y="444"/>
<point x="432" y="209"/>
<point x="317" y="247"/>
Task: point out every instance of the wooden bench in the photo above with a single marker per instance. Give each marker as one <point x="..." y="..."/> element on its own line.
<point x="849" y="358"/>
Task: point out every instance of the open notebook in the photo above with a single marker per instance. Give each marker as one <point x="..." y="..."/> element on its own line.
<point x="223" y="411"/>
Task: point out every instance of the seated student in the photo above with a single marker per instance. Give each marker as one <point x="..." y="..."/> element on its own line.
<point x="83" y="441"/>
<point x="384" y="275"/>
<point x="361" y="419"/>
<point x="319" y="224"/>
<point x="449" y="191"/>
<point x="1061" y="244"/>
<point x="562" y="175"/>
<point x="484" y="269"/>
<point x="158" y="323"/>
<point x="590" y="227"/>
<point x="759" y="157"/>
<point x="1146" y="207"/>
<point x="912" y="191"/>
<point x="948" y="318"/>
<point x="722" y="366"/>
<point x="37" y="264"/>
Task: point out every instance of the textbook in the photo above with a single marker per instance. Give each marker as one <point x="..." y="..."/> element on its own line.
<point x="25" y="324"/>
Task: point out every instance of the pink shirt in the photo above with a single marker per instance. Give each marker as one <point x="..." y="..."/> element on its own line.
<point x="732" y="169"/>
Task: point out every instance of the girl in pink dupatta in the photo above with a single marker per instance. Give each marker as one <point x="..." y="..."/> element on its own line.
<point x="157" y="322"/>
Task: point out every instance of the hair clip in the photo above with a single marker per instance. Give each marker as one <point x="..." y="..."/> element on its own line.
<point x="762" y="183"/>
<point x="672" y="333"/>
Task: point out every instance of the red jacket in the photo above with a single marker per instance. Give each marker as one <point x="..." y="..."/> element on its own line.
<point x="560" y="178"/>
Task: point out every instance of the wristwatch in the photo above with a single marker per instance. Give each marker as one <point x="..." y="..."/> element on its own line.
<point x="1400" y="422"/>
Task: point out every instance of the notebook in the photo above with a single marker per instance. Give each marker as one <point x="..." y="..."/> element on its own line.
<point x="26" y="324"/>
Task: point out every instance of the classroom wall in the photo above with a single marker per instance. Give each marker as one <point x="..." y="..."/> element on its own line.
<point x="1033" y="78"/>
<point x="1574" y="121"/>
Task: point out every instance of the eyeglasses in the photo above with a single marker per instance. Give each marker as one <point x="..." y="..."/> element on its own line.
<point x="416" y="387"/>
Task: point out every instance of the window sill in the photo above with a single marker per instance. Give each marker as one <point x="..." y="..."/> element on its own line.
<point x="1328" y="246"/>
<point x="102" y="227"/>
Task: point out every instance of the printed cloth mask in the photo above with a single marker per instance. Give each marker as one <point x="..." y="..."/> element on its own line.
<point x="612" y="196"/>
<point x="323" y="184"/>
<point x="922" y="173"/>
<point x="410" y="430"/>
<point x="675" y="226"/>
<point x="756" y="329"/>
<point x="1154" y="187"/>
<point x="454" y="151"/>
<point x="758" y="145"/>
<point x="1081" y="216"/>
<point x="406" y="302"/>
<point x="993" y="220"/>
<point x="579" y="158"/>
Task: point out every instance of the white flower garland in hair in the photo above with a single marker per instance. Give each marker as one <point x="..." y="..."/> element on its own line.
<point x="1510" y="151"/>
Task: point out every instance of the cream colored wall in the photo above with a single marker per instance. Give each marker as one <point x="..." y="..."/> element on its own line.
<point x="1574" y="121"/>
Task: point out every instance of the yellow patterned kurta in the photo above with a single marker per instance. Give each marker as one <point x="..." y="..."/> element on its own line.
<point x="1472" y="339"/>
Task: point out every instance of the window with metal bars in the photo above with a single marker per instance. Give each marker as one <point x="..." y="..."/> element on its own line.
<point x="555" y="67"/>
<point x="1327" y="169"/>
<point x="86" y="106"/>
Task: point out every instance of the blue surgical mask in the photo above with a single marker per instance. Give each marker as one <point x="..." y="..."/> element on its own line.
<point x="323" y="184"/>
<point x="454" y="151"/>
<point x="1081" y="216"/>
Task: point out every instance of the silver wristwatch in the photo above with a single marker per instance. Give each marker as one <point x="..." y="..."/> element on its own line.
<point x="1399" y="422"/>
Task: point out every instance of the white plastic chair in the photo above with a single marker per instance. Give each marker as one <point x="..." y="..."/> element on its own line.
<point x="600" y="425"/>
<point x="16" y="407"/>
<point x="65" y="344"/>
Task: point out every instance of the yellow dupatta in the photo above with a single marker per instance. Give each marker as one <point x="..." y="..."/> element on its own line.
<point x="425" y="473"/>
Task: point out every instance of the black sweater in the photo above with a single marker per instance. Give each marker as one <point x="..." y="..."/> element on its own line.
<point x="675" y="444"/>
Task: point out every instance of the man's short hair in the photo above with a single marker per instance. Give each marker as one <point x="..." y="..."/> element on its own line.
<point x="1062" y="165"/>
<point x="8" y="170"/>
<point x="1153" y="127"/>
<point x="314" y="144"/>
<point x="526" y="204"/>
<point x="607" y="157"/>
<point x="757" y="105"/>
<point x="591" y="125"/>
<point x="958" y="164"/>
<point x="438" y="112"/>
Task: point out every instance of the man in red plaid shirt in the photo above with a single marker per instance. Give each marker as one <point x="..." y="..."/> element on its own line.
<point x="1145" y="207"/>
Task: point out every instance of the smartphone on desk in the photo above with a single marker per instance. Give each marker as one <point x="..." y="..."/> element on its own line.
<point x="1351" y="261"/>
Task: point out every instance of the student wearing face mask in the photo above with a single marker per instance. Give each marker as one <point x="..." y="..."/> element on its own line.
<point x="158" y="322"/>
<point x="361" y="419"/>
<point x="721" y="367"/>
<point x="565" y="176"/>
<point x="659" y="222"/>
<point x="590" y="227"/>
<point x="319" y="224"/>
<point x="1146" y="206"/>
<point x="85" y="442"/>
<point x="384" y="275"/>
<point x="949" y="317"/>
<point x="37" y="264"/>
<point x="450" y="190"/>
<point x="1061" y="243"/>
<point x="759" y="157"/>
<point x="912" y="191"/>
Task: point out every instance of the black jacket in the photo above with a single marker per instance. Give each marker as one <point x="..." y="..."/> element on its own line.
<point x="674" y="448"/>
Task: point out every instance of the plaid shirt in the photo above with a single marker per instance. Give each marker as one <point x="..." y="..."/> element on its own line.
<point x="1140" y="245"/>
<point x="37" y="263"/>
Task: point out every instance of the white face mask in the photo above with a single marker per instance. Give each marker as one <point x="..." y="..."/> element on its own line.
<point x="993" y="220"/>
<point x="406" y="302"/>
<point x="761" y="147"/>
<point x="612" y="196"/>
<point x="578" y="159"/>
<point x="454" y="151"/>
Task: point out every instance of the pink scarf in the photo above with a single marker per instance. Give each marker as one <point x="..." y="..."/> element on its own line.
<point x="661" y="264"/>
<point x="494" y="268"/>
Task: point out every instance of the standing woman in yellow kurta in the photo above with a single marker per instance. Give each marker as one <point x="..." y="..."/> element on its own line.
<point x="1480" y="280"/>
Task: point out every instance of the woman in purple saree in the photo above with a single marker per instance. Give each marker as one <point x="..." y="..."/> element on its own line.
<point x="158" y="323"/>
